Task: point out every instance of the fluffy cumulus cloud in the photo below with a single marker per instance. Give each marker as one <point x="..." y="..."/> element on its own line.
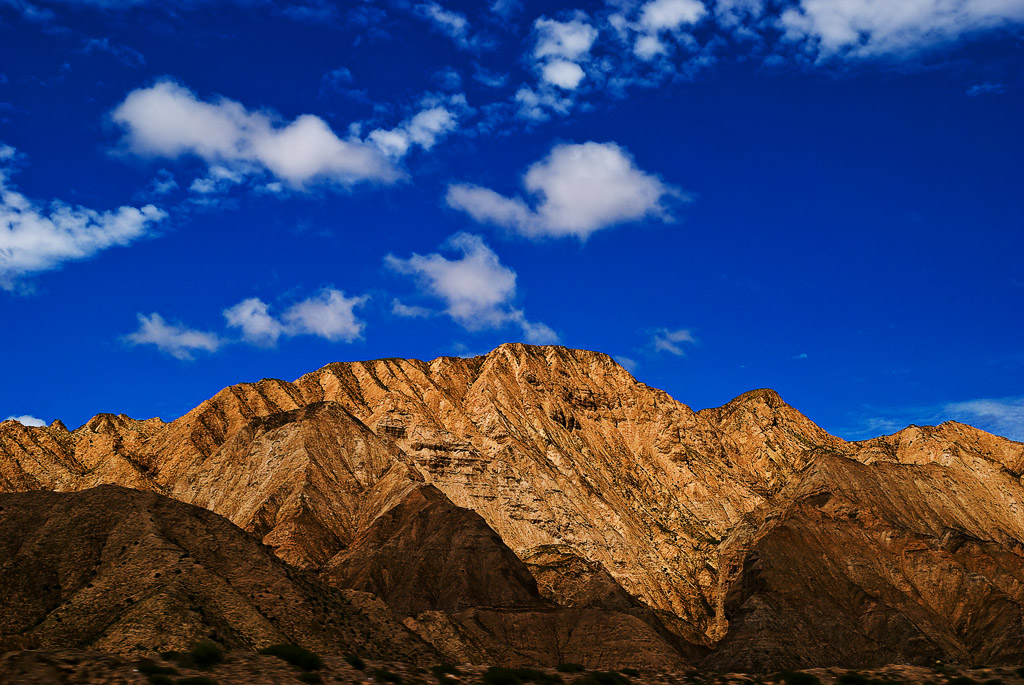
<point x="477" y="290"/>
<point x="38" y="237"/>
<point x="169" y="120"/>
<point x="329" y="315"/>
<point x="174" y="339"/>
<point x="562" y="73"/>
<point x="27" y="420"/>
<point x="576" y="190"/>
<point x="672" y="342"/>
<point x="867" y="28"/>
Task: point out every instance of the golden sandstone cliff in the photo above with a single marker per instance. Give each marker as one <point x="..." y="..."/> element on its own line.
<point x="538" y="504"/>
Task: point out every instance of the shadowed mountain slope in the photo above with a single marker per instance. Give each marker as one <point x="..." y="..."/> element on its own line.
<point x="121" y="570"/>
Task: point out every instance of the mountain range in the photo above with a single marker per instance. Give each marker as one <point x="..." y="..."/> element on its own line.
<point x="533" y="506"/>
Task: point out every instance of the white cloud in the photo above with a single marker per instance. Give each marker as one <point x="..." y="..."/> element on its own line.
<point x="562" y="73"/>
<point x="535" y="105"/>
<point x="174" y="339"/>
<point x="867" y="28"/>
<point x="168" y="120"/>
<point x="452" y="24"/>
<point x="424" y="128"/>
<point x="570" y="40"/>
<point x="476" y="288"/>
<point x="672" y="341"/>
<point x="329" y="315"/>
<point x="666" y="15"/>
<point x="580" y="189"/>
<point x="257" y="325"/>
<point x="649" y="47"/>
<point x="35" y="238"/>
<point x="27" y="420"/>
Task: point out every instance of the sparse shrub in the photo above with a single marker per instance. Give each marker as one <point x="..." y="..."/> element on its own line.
<point x="386" y="675"/>
<point x="852" y="678"/>
<point x="310" y="677"/>
<point x="630" y="672"/>
<point x="160" y="679"/>
<point x="1020" y="671"/>
<point x="569" y="668"/>
<point x="295" y="655"/>
<point x="994" y="681"/>
<point x="962" y="680"/>
<point x="206" y="653"/>
<point x="355" y="662"/>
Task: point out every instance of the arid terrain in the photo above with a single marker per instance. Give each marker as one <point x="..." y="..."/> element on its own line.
<point x="530" y="508"/>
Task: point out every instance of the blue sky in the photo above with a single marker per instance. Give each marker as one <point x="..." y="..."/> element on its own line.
<point x="819" y="197"/>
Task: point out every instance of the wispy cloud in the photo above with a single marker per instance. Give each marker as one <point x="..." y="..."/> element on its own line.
<point x="477" y="290"/>
<point x="1002" y="416"/>
<point x="666" y="340"/>
<point x="449" y="22"/>
<point x="36" y="237"/>
<point x="173" y="338"/>
<point x="986" y="89"/>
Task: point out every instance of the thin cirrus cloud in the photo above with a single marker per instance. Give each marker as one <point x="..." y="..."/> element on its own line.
<point x="577" y="189"/>
<point x="168" y="120"/>
<point x="477" y="290"/>
<point x="35" y="237"/>
<point x="329" y="315"/>
<point x="999" y="415"/>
